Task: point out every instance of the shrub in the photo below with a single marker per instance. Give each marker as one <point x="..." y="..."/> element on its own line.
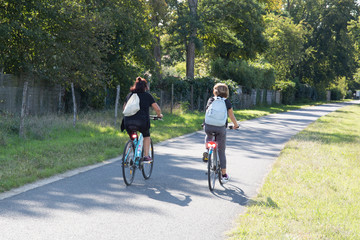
<point x="248" y="75"/>
<point x="288" y="90"/>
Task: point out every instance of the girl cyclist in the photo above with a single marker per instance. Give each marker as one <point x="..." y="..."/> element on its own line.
<point x="220" y="90"/>
<point x="141" y="120"/>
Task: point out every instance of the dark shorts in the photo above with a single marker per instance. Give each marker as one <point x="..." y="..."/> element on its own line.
<point x="137" y="125"/>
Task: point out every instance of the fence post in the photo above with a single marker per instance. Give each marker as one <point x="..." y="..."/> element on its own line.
<point x="278" y="97"/>
<point x="74" y="103"/>
<point x="23" y="107"/>
<point x="172" y="98"/>
<point x="192" y="97"/>
<point x="117" y="103"/>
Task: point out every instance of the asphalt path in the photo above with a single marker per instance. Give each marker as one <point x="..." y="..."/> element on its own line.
<point x="175" y="203"/>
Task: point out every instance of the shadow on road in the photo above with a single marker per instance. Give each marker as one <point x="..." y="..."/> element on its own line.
<point x="231" y="193"/>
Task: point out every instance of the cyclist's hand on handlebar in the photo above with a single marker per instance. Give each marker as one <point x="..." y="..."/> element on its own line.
<point x="160" y="116"/>
<point x="234" y="127"/>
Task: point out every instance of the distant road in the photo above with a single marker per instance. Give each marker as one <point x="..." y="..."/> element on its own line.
<point x="174" y="203"/>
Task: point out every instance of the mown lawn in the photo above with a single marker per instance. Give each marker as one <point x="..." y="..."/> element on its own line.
<point x="313" y="190"/>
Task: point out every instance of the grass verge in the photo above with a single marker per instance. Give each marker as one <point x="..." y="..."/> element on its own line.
<point x="53" y="146"/>
<point x="313" y="189"/>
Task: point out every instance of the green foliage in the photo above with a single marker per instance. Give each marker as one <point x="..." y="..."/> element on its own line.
<point x="333" y="54"/>
<point x="288" y="90"/>
<point x="286" y="45"/>
<point x="304" y="91"/>
<point x="249" y="75"/>
<point x="338" y="89"/>
<point x="232" y="29"/>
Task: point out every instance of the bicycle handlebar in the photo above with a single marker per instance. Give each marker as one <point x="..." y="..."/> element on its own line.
<point x="155" y="117"/>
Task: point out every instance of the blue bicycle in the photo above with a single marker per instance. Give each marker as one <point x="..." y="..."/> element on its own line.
<point x="133" y="156"/>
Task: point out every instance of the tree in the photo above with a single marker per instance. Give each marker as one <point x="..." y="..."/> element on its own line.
<point x="233" y="29"/>
<point x="158" y="15"/>
<point x="333" y="49"/>
<point x="183" y="31"/>
<point x="286" y="45"/>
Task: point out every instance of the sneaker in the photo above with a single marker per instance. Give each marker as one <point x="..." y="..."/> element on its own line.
<point x="225" y="178"/>
<point x="205" y="157"/>
<point x="147" y="159"/>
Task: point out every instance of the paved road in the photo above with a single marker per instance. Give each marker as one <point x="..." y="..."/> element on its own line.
<point x="174" y="204"/>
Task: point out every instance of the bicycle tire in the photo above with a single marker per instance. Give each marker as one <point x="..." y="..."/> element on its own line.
<point x="128" y="164"/>
<point x="147" y="168"/>
<point x="212" y="162"/>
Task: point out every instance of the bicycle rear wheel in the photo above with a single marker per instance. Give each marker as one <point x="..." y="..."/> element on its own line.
<point x="147" y="167"/>
<point x="128" y="164"/>
<point x="212" y="169"/>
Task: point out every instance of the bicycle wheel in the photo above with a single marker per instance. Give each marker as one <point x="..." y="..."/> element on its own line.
<point x="147" y="167"/>
<point x="128" y="164"/>
<point x="218" y="169"/>
<point x="212" y="166"/>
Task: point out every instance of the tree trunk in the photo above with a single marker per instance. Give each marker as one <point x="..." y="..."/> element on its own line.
<point x="190" y="50"/>
<point x="23" y="109"/>
<point x="74" y="103"/>
<point x="157" y="55"/>
<point x="117" y="103"/>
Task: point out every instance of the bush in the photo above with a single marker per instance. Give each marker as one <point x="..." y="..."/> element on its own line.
<point x="248" y="75"/>
<point x="304" y="91"/>
<point x="338" y="88"/>
<point x="288" y="90"/>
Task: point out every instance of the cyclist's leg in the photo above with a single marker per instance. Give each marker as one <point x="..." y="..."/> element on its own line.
<point x="146" y="134"/>
<point x="208" y="130"/>
<point x="208" y="137"/>
<point x="221" y="141"/>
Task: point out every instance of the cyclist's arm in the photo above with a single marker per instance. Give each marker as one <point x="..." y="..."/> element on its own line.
<point x="157" y="109"/>
<point x="232" y="117"/>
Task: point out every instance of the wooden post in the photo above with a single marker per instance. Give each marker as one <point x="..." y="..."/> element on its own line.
<point x="172" y="98"/>
<point x="23" y="108"/>
<point x="74" y="103"/>
<point x="192" y="97"/>
<point x="161" y="98"/>
<point x="60" y="100"/>
<point x="117" y="103"/>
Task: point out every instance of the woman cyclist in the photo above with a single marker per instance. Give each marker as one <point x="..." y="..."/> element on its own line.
<point x="141" y="120"/>
<point x="220" y="90"/>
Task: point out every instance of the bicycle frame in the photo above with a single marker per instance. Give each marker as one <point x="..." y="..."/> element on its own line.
<point x="138" y="142"/>
<point x="214" y="170"/>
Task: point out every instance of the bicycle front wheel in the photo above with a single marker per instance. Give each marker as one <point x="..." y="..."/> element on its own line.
<point x="128" y="163"/>
<point x="147" y="167"/>
<point x="212" y="169"/>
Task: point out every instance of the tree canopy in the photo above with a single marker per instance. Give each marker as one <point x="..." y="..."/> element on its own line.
<point x="97" y="44"/>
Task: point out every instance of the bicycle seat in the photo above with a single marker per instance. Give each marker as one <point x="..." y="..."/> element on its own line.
<point x="133" y="128"/>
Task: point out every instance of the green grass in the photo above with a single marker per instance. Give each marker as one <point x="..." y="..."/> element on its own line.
<point x="53" y="146"/>
<point x="313" y="189"/>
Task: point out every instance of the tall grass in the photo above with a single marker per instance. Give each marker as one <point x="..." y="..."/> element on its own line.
<point x="313" y="190"/>
<point x="53" y="146"/>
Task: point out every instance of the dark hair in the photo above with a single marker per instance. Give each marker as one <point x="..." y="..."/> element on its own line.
<point x="140" y="85"/>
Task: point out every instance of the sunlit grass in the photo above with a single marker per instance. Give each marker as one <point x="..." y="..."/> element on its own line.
<point x="313" y="190"/>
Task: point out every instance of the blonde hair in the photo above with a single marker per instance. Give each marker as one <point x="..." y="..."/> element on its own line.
<point x="221" y="90"/>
